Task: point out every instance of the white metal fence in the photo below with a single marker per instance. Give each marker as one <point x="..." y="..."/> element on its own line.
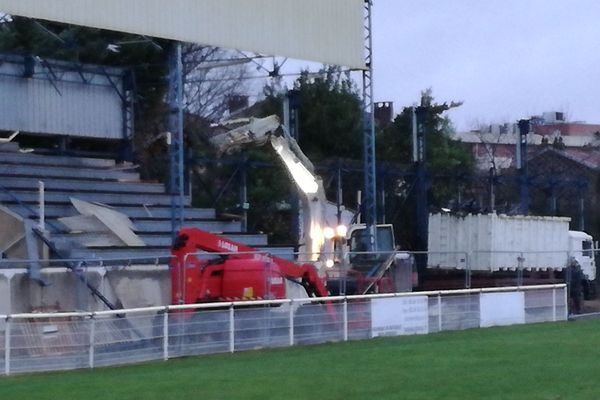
<point x="61" y="341"/>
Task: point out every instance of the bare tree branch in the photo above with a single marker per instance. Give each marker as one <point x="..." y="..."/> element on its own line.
<point x="212" y="76"/>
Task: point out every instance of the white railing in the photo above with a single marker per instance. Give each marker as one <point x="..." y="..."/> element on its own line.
<point x="57" y="341"/>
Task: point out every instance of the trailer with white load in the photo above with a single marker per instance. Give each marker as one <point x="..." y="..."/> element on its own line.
<point x="491" y="242"/>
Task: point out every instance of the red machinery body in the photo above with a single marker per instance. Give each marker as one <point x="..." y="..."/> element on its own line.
<point x="241" y="272"/>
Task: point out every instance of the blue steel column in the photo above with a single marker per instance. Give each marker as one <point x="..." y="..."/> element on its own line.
<point x="422" y="207"/>
<point x="176" y="180"/>
<point x="128" y="104"/>
<point x="369" y="206"/>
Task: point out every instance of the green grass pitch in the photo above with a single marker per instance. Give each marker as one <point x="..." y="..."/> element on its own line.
<point x="543" y="361"/>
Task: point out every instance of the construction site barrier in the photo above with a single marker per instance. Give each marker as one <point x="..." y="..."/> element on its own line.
<point x="36" y="342"/>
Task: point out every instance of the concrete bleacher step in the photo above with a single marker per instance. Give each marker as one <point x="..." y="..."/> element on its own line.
<point x="131" y="255"/>
<point x="53" y="210"/>
<point x="65" y="161"/>
<point x="29" y="196"/>
<point x="117" y="185"/>
<point x="47" y="171"/>
<point x="144" y="225"/>
<point x="250" y="239"/>
<point x="145" y="255"/>
<point x="11" y="183"/>
<point x="153" y="225"/>
<point x="12" y="147"/>
<point x="65" y="241"/>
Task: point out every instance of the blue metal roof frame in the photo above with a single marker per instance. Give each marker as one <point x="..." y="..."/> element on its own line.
<point x="45" y="96"/>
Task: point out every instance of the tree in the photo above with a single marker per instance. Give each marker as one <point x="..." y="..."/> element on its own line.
<point x="330" y="123"/>
<point x="330" y="115"/>
<point x="212" y="76"/>
<point x="449" y="165"/>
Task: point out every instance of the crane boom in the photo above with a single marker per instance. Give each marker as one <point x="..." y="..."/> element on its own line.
<point x="235" y="134"/>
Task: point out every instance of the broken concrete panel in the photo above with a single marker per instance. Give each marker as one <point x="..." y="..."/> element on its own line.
<point x="97" y="218"/>
<point x="136" y="286"/>
<point x="19" y="293"/>
<point x="5" y="292"/>
<point x="64" y="292"/>
<point x="100" y="210"/>
<point x="84" y="223"/>
<point x="18" y="241"/>
<point x="96" y="240"/>
<point x="12" y="232"/>
<point x="10" y="138"/>
<point x="12" y="236"/>
<point x="141" y="286"/>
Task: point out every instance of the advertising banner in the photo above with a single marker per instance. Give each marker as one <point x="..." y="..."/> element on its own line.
<point x="399" y="316"/>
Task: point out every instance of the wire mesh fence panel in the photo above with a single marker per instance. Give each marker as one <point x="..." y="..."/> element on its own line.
<point x="561" y="308"/>
<point x="311" y="321"/>
<point x="434" y="308"/>
<point x="359" y="319"/>
<point x="198" y="332"/>
<point x="48" y="344"/>
<point x="279" y="326"/>
<point x="31" y="343"/>
<point x="333" y="322"/>
<point x="460" y="312"/>
<point x="262" y="327"/>
<point x="126" y="339"/>
<point x="3" y="336"/>
<point x="544" y="305"/>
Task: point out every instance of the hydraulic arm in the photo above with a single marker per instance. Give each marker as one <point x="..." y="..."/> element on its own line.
<point x="245" y="274"/>
<point x="241" y="132"/>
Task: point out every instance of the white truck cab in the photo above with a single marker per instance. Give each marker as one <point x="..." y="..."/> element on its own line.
<point x="581" y="248"/>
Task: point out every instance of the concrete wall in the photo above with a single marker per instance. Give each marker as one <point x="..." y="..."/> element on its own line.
<point x="140" y="286"/>
<point x="131" y="287"/>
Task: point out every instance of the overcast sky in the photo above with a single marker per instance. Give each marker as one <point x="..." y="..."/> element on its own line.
<point x="506" y="59"/>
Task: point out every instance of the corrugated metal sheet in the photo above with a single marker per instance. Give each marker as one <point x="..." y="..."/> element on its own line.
<point x="328" y="31"/>
<point x="62" y="105"/>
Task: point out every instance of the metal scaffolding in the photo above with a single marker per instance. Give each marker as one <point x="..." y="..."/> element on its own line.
<point x="369" y="206"/>
<point x="176" y="146"/>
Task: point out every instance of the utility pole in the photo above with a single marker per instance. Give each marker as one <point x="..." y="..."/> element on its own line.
<point x="581" y="189"/>
<point x="522" y="166"/>
<point x="492" y="183"/>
